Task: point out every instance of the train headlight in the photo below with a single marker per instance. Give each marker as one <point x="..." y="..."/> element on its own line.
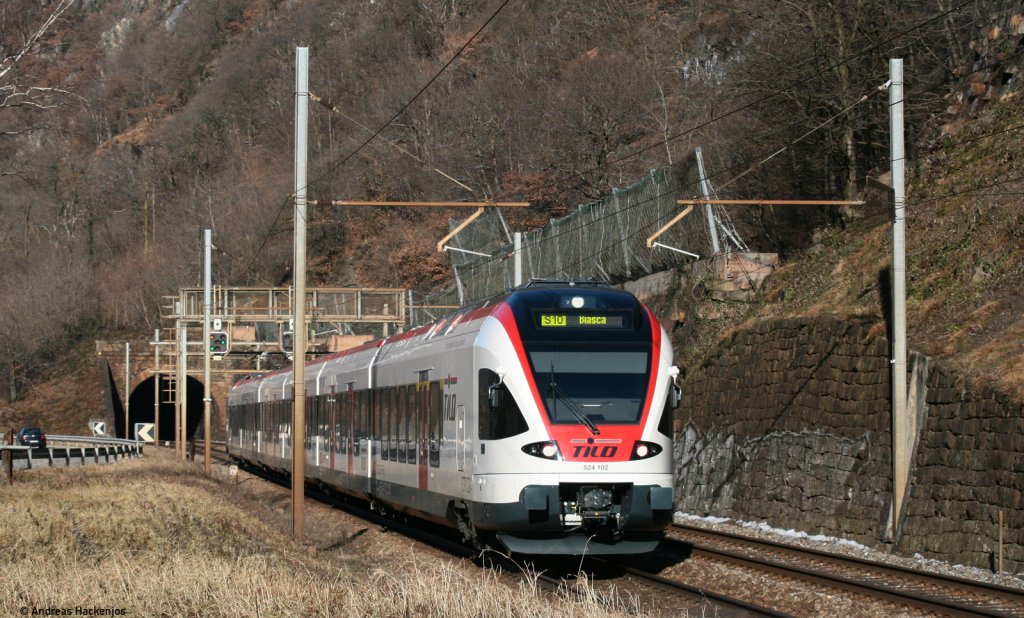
<point x="544" y="450"/>
<point x="643" y="450"/>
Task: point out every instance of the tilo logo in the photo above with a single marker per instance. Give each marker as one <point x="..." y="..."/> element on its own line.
<point x="594" y="451"/>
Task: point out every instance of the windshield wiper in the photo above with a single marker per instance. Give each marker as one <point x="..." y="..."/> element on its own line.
<point x="557" y="393"/>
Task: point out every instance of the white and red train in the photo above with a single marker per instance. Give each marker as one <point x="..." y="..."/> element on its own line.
<point x="540" y="418"/>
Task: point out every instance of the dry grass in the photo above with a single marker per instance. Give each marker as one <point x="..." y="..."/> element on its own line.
<point x="154" y="537"/>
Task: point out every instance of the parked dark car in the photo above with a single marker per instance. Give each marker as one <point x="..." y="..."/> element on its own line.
<point x="32" y="436"/>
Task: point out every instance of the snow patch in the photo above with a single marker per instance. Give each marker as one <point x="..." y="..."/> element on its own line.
<point x="761" y="526"/>
<point x="709" y="519"/>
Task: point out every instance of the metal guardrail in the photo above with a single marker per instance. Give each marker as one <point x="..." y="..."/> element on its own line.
<point x="92" y="440"/>
<point x="72" y="451"/>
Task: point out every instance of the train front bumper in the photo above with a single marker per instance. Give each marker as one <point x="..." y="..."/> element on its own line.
<point x="578" y="514"/>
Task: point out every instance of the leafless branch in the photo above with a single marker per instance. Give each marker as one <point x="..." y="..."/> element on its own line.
<point x="10" y="62"/>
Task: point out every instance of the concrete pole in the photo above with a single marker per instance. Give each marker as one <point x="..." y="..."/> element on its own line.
<point x="299" y="300"/>
<point x="127" y="385"/>
<point x="179" y="383"/>
<point x="410" y="308"/>
<point x="207" y="251"/>
<point x="156" y="387"/>
<point x="900" y="422"/>
<point x="183" y="391"/>
<point x="518" y="281"/>
<point x="705" y="188"/>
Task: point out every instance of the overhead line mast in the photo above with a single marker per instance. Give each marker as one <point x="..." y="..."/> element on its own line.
<point x="299" y="300"/>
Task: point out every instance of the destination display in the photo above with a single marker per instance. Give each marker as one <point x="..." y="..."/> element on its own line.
<point x="588" y="320"/>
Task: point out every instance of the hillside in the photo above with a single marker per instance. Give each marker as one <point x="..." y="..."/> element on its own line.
<point x="136" y="124"/>
<point x="965" y="262"/>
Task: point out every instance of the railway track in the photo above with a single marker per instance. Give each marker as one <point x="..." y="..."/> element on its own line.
<point x="905" y="587"/>
<point x="667" y="596"/>
<point x="910" y="588"/>
<point x="673" y="597"/>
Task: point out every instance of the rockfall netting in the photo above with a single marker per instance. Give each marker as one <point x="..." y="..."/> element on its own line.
<point x="605" y="240"/>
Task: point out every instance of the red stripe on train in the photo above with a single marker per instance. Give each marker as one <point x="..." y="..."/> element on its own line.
<point x="615" y="442"/>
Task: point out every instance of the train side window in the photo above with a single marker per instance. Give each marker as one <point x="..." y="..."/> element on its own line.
<point x="350" y="420"/>
<point x="341" y="429"/>
<point x="409" y="392"/>
<point x="389" y="395"/>
<point x="393" y="424"/>
<point x="388" y="403"/>
<point x="311" y="405"/>
<point x="500" y="416"/>
<point x="397" y="447"/>
<point x="434" y="423"/>
<point x="398" y="393"/>
<point x="666" y="423"/>
<point x="380" y="422"/>
<point x="362" y="419"/>
<point x="323" y="425"/>
<point x="376" y="418"/>
<point x="339" y="423"/>
<point x="382" y="411"/>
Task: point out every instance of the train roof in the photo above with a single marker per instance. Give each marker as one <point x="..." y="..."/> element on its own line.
<point x="530" y="293"/>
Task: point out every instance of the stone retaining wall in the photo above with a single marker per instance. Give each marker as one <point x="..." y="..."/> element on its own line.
<point x="788" y="422"/>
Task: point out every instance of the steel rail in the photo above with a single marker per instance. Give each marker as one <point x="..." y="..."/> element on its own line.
<point x="718" y="604"/>
<point x="928" y="591"/>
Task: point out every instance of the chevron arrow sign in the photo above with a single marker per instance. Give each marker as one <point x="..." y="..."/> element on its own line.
<point x="144" y="432"/>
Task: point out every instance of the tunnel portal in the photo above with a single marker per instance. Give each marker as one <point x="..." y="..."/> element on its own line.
<point x="141" y="409"/>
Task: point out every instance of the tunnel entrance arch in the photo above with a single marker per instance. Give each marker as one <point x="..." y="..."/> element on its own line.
<point x="142" y="410"/>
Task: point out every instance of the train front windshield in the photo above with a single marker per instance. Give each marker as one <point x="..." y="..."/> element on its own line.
<point x="606" y="385"/>
<point x="589" y="350"/>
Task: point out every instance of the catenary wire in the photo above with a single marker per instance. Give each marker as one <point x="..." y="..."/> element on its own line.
<point x="394" y="117"/>
<point x="678" y="135"/>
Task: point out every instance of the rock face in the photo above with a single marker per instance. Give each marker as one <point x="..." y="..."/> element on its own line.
<point x="991" y="64"/>
<point x="789" y="422"/>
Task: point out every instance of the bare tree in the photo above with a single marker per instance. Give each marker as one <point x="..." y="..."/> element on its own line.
<point x="14" y="91"/>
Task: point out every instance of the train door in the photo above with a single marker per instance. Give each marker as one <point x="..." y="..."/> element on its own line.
<point x="362" y="459"/>
<point x="372" y="436"/>
<point x="423" y="429"/>
<point x="460" y="437"/>
<point x="349" y="424"/>
<point x="331" y="423"/>
<point x="311" y="441"/>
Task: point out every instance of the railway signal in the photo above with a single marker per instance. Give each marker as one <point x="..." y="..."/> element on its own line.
<point x="219" y="342"/>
